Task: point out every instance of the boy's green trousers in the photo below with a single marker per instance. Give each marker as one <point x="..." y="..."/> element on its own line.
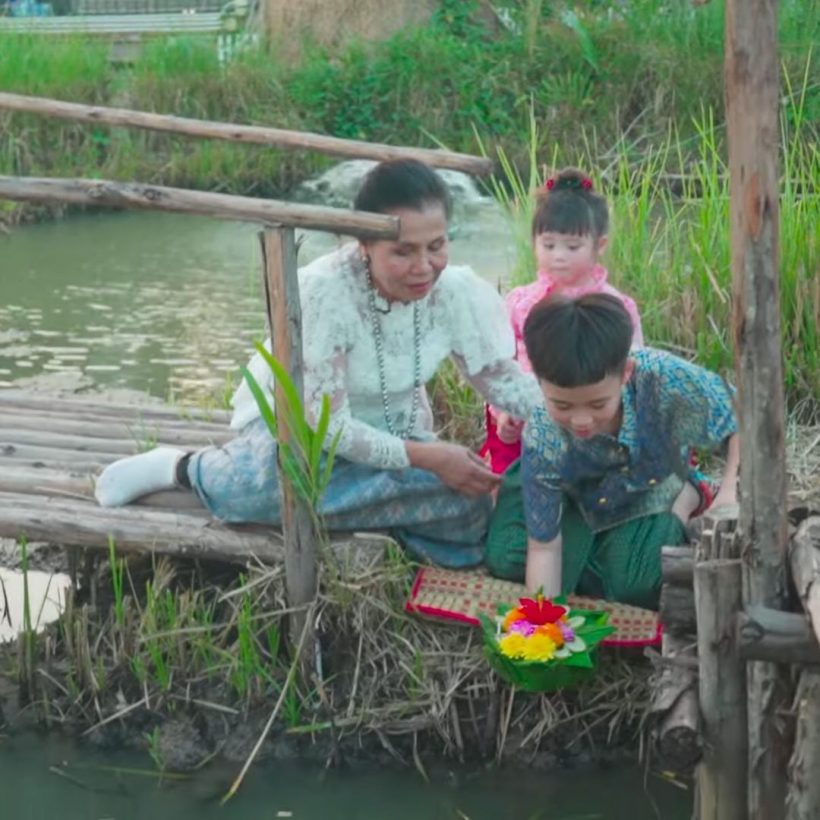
<point x="622" y="563"/>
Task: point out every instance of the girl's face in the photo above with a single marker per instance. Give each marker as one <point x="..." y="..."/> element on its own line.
<point x="568" y="258"/>
<point x="589" y="410"/>
<point x="405" y="269"/>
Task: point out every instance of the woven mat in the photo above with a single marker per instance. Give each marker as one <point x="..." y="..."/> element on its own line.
<point x="460" y="595"/>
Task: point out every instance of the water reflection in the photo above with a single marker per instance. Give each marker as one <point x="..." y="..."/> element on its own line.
<point x="164" y="304"/>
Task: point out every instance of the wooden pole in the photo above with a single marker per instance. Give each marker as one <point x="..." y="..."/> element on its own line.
<point x="285" y="322"/>
<point x="773" y="635"/>
<point x="674" y="707"/>
<point x="251" y="134"/>
<point x="751" y="87"/>
<point x="100" y="192"/>
<point x="805" y="565"/>
<point x="722" y="784"/>
<point x="804" y="788"/>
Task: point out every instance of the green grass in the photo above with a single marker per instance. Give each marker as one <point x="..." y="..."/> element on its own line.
<point x="632" y="91"/>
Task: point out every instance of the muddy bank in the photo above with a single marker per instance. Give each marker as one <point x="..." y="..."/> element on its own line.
<point x="185" y="662"/>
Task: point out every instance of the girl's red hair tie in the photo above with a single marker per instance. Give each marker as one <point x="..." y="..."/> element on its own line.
<point x="569" y="184"/>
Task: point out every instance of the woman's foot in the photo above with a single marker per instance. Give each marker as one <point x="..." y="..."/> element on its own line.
<point x="129" y="478"/>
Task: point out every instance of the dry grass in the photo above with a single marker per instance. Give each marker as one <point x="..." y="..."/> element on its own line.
<point x="385" y="680"/>
<point x="332" y="23"/>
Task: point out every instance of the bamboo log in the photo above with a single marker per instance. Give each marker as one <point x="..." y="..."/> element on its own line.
<point x="100" y="192"/>
<point x="805" y="565"/>
<point x="22" y="400"/>
<point x="677" y="610"/>
<point x="752" y="89"/>
<point x="52" y="480"/>
<point x="31" y="452"/>
<point x="674" y="708"/>
<point x="251" y="134"/>
<point x="16" y="478"/>
<point x="803" y="801"/>
<point x="285" y="321"/>
<point x="678" y="565"/>
<point x="135" y="428"/>
<point x="778" y="637"/>
<point x="81" y="524"/>
<point x="124" y="444"/>
<point x="722" y="775"/>
<point x="61" y="460"/>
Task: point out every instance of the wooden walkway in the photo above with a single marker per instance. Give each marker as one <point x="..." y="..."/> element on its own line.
<point x="50" y="449"/>
<point x="106" y="25"/>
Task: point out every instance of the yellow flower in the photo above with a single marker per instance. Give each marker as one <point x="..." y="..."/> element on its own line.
<point x="511" y="617"/>
<point x="512" y="645"/>
<point x="539" y="647"/>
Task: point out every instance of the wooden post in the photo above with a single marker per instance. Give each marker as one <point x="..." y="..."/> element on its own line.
<point x="722" y="785"/>
<point x="285" y="323"/>
<point x="804" y="789"/>
<point x="751" y="87"/>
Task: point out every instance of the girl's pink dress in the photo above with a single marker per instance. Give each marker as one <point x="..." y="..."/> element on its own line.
<point x="520" y="301"/>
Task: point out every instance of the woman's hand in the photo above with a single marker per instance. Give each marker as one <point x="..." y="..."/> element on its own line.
<point x="458" y="468"/>
<point x="508" y="428"/>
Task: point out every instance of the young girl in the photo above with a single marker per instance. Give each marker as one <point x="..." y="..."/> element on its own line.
<point x="569" y="231"/>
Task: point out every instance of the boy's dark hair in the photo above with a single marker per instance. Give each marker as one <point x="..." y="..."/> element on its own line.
<point x="576" y="342"/>
<point x="402" y="183"/>
<point x="571" y="207"/>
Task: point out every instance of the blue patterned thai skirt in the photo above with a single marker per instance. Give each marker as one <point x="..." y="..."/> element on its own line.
<point x="238" y="483"/>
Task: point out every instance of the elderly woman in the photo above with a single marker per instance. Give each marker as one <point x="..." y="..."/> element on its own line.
<point x="379" y="318"/>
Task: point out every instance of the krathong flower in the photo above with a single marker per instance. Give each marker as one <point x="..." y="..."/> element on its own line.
<point x="523" y="627"/>
<point x="512" y="645"/>
<point x="554" y="632"/>
<point x="539" y="610"/>
<point x="511" y="617"/>
<point x="539" y="647"/>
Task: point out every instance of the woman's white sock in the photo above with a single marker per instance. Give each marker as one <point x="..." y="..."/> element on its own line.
<point x="129" y="478"/>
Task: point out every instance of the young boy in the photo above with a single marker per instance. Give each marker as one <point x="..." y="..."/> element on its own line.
<point x="603" y="470"/>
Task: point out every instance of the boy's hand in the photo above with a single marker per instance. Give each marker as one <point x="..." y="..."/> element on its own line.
<point x="508" y="428"/>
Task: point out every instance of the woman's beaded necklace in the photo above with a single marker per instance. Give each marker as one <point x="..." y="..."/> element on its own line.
<point x="379" y="341"/>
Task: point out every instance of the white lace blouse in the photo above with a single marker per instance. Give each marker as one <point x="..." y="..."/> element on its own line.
<point x="462" y="317"/>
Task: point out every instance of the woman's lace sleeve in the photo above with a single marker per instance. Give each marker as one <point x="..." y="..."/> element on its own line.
<point x="484" y="347"/>
<point x="358" y="441"/>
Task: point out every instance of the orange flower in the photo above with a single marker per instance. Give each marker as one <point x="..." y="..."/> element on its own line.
<point x="510" y="618"/>
<point x="552" y="632"/>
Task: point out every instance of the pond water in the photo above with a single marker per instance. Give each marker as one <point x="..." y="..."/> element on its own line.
<point x="164" y="304"/>
<point x="44" y="778"/>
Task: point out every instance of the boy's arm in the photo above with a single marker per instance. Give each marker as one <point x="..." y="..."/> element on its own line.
<point x="544" y="566"/>
<point x="727" y="494"/>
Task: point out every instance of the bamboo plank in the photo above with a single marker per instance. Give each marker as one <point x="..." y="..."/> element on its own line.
<point x="252" y="134"/>
<point x="69" y="415"/>
<point x="32" y="452"/>
<point x="80" y="523"/>
<point x="119" y="24"/>
<point x="143" y="433"/>
<point x="10" y="397"/>
<point x="97" y="192"/>
<point x="125" y="444"/>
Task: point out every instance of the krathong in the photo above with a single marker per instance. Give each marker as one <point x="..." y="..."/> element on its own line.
<point x="542" y="645"/>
